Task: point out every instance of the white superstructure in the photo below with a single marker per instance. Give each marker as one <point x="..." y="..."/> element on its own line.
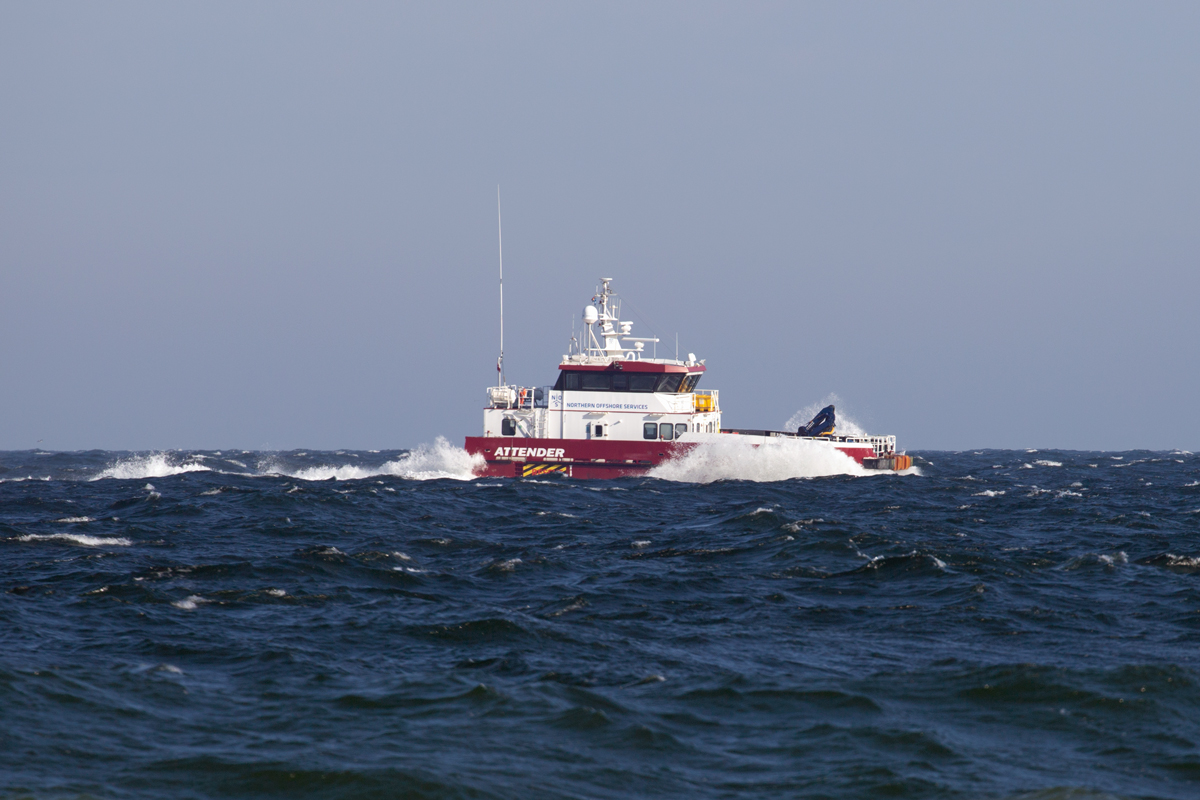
<point x="608" y="389"/>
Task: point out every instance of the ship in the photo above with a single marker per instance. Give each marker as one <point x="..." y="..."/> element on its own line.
<point x="616" y="411"/>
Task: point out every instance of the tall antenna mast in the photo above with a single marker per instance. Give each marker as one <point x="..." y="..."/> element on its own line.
<point x="500" y="237"/>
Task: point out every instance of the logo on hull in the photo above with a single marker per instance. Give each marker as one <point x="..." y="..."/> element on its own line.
<point x="530" y="452"/>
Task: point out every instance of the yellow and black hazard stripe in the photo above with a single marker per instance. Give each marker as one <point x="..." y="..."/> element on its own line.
<point x="529" y="470"/>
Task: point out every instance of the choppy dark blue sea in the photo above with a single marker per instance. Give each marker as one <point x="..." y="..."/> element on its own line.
<point x="370" y="625"/>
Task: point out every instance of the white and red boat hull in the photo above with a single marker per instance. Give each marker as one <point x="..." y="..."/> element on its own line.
<point x="517" y="457"/>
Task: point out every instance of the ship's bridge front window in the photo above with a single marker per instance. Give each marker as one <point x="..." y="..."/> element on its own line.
<point x="596" y="382"/>
<point x="642" y="381"/>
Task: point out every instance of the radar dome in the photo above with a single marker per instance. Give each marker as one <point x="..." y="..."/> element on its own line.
<point x="590" y="315"/>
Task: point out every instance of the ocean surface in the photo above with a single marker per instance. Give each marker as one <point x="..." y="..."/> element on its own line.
<point x="236" y="624"/>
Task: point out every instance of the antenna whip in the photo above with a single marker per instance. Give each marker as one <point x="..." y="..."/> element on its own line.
<point x="500" y="237"/>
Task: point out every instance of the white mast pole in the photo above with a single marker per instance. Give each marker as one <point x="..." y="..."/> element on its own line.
<point x="500" y="238"/>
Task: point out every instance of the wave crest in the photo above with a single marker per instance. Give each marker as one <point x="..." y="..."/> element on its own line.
<point x="153" y="465"/>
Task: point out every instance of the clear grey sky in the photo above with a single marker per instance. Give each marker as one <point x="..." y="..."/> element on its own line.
<point x="273" y="225"/>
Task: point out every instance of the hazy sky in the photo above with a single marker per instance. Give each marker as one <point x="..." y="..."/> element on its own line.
<point x="273" y="225"/>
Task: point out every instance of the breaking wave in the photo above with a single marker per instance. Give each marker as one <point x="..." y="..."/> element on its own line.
<point x="731" y="457"/>
<point x="425" y="462"/>
<point x="154" y="465"/>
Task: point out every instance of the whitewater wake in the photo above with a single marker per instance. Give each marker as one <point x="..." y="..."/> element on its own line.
<point x="440" y="460"/>
<point x="425" y="462"/>
<point x="729" y="457"/>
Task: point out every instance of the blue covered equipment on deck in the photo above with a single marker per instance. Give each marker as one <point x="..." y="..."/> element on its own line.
<point x="821" y="425"/>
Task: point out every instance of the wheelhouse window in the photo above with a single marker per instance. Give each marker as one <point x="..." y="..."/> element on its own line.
<point x="606" y="381"/>
<point x="596" y="382"/>
<point x="669" y="382"/>
<point x="642" y="381"/>
<point x="689" y="383"/>
<point x="508" y="427"/>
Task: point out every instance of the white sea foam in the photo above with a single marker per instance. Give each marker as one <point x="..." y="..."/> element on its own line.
<point x="1043" y="463"/>
<point x="1104" y="559"/>
<point x="1172" y="560"/>
<point x="990" y="493"/>
<point x="732" y="457"/>
<point x="77" y="538"/>
<point x="70" y="520"/>
<point x="190" y="603"/>
<point x="153" y="465"/>
<point x="425" y="462"/>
